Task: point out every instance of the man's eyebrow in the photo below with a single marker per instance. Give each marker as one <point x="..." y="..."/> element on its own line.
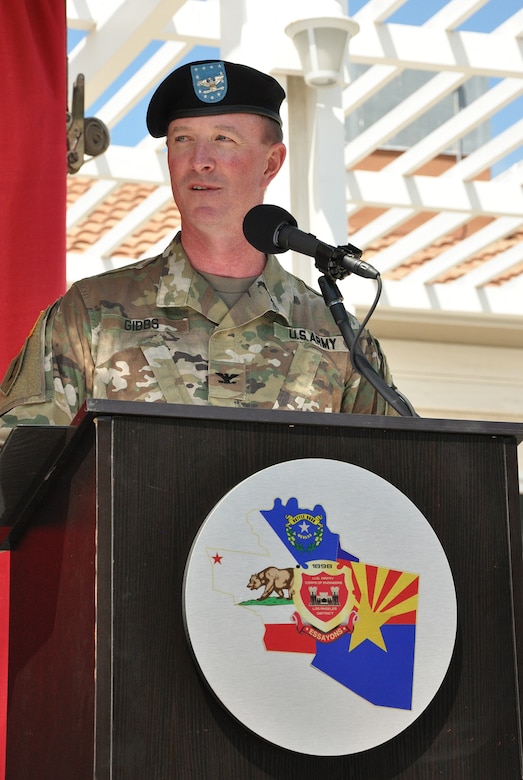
<point x="186" y="128"/>
<point x="178" y="128"/>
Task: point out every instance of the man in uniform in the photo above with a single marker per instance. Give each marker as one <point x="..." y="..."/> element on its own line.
<point x="212" y="320"/>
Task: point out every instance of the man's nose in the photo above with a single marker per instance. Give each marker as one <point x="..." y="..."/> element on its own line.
<point x="202" y="158"/>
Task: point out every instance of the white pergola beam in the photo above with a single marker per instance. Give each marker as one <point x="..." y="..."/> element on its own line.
<point x="461" y="298"/>
<point x="470" y="166"/>
<point x="497" y="265"/>
<point x="377" y="11"/>
<point x="467" y="248"/>
<point x="515" y="173"/>
<point x="115" y="43"/>
<point x="122" y="164"/>
<point x="416" y="240"/>
<point x="425" y="48"/>
<point x="147" y="77"/>
<point x="89" y="201"/>
<point x="459" y="125"/>
<point x="386" y="223"/>
<point x="367" y="85"/>
<point x="488" y="154"/>
<point x="196" y="23"/>
<point x="380" y="189"/>
<point x="512" y="26"/>
<point x="86" y="14"/>
<point x="110" y="241"/>
<point x="454" y="13"/>
<point x="401" y="116"/>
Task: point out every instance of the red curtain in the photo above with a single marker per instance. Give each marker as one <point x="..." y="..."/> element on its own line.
<point x="5" y="562"/>
<point x="33" y="100"/>
<point x="33" y="91"/>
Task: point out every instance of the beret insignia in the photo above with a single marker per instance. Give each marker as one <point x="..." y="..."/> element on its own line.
<point x="209" y="81"/>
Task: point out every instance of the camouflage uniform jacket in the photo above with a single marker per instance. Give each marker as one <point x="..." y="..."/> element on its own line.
<point x="156" y="331"/>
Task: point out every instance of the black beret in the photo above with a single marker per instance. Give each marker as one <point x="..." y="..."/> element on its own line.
<point x="213" y="87"/>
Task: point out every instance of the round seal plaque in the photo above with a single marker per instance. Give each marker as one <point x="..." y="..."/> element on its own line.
<point x="320" y="607"/>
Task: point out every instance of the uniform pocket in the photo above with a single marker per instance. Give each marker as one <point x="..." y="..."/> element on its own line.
<point x="314" y="382"/>
<point x="141" y="372"/>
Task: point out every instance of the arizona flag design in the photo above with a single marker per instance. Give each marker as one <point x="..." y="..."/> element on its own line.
<point x="370" y="648"/>
<point x="376" y="661"/>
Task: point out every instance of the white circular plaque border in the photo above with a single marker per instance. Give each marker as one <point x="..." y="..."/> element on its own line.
<point x="279" y="695"/>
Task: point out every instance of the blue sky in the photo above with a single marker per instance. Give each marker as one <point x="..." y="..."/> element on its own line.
<point x="132" y="129"/>
<point x="418" y="11"/>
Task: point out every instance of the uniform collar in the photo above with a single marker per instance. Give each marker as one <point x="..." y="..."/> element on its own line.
<point x="181" y="286"/>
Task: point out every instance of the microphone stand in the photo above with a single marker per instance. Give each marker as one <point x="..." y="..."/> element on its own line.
<point x="329" y="262"/>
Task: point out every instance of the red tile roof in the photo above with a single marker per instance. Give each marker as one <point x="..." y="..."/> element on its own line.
<point x="127" y="196"/>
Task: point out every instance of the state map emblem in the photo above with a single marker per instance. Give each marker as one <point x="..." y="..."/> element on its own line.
<point x="339" y="594"/>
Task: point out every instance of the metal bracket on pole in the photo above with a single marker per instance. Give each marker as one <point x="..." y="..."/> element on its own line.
<point x="85" y="135"/>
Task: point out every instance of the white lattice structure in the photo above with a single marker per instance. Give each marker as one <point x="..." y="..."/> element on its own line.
<point x="444" y="231"/>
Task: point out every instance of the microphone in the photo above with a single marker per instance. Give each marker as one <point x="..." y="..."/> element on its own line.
<point x="272" y="230"/>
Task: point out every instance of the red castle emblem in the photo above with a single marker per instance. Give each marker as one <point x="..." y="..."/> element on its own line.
<point x="324" y="599"/>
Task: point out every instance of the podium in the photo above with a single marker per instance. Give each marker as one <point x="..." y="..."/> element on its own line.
<point x="102" y="683"/>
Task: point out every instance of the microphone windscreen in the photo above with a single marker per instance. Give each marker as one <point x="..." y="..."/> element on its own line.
<point x="261" y="225"/>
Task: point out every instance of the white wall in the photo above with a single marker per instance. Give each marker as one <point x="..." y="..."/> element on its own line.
<point x="456" y="366"/>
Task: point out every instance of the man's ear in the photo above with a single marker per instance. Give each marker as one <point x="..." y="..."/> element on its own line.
<point x="275" y="160"/>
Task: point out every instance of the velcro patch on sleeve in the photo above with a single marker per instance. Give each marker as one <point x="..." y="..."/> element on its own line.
<point x="24" y="378"/>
